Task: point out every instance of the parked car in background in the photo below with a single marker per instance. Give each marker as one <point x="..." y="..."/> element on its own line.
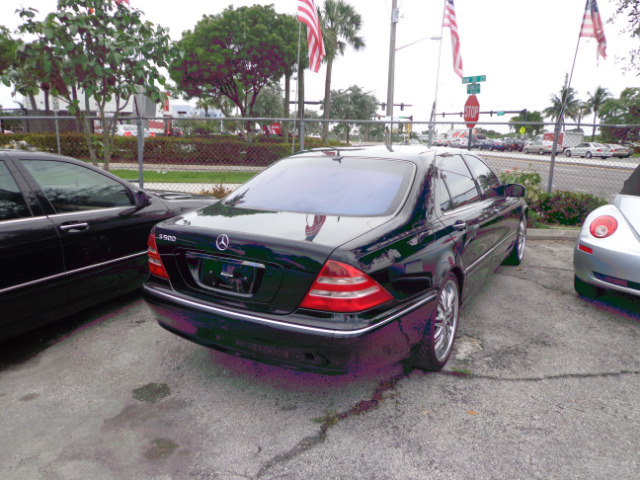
<point x="513" y="144"/>
<point x="365" y="261"/>
<point x="621" y="151"/>
<point x="607" y="252"/>
<point x="485" y="144"/>
<point x="540" y="147"/>
<point x="588" y="150"/>
<point x="496" y="144"/>
<point x="71" y="236"/>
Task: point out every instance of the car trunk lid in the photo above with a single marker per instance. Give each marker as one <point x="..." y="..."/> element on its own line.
<point x="250" y="259"/>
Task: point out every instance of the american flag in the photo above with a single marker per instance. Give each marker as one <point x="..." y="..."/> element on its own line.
<point x="308" y="15"/>
<point x="450" y="21"/>
<point x="118" y="2"/>
<point x="592" y="27"/>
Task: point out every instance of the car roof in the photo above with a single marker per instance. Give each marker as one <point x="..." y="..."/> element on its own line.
<point x="419" y="154"/>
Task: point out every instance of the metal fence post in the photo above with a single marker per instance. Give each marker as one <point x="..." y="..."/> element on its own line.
<point x="140" y="151"/>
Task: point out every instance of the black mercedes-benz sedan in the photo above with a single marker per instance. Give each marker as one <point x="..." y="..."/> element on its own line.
<point x="336" y="260"/>
<point x="71" y="236"/>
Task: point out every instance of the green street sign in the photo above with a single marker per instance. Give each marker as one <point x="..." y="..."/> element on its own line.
<point x="473" y="88"/>
<point x="500" y="114"/>
<point x="476" y="79"/>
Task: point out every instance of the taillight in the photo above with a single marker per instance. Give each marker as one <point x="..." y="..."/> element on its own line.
<point x="155" y="263"/>
<point x="342" y="288"/>
<point x="603" y="226"/>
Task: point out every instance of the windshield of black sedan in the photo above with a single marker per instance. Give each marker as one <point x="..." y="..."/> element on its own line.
<point x="349" y="187"/>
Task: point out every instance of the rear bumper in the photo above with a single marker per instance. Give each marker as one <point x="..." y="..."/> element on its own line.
<point x="284" y="343"/>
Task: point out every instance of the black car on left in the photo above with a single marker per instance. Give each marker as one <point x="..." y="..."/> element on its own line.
<point x="71" y="236"/>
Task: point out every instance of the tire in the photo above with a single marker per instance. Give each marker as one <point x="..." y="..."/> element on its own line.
<point x="585" y="289"/>
<point x="517" y="253"/>
<point x="436" y="345"/>
<point x="588" y="155"/>
<point x="541" y="152"/>
<point x="567" y="153"/>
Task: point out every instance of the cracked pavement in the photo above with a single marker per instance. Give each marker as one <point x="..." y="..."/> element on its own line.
<point x="542" y="384"/>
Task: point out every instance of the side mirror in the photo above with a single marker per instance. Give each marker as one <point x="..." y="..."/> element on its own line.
<point x="142" y="199"/>
<point x="514" y="190"/>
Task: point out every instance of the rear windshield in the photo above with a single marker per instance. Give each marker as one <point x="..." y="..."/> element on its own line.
<point x="349" y="187"/>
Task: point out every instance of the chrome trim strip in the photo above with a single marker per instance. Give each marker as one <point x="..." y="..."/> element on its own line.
<point x="288" y="326"/>
<point x="72" y="272"/>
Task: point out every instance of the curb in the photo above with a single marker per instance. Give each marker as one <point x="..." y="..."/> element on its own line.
<point x="552" y="234"/>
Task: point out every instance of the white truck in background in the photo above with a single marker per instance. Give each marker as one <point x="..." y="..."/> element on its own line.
<point x="565" y="139"/>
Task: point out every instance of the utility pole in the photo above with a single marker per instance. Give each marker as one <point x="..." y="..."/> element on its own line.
<point x="395" y="14"/>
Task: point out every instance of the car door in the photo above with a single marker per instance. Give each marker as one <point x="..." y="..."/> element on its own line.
<point x="32" y="283"/>
<point x="103" y="234"/>
<point x="467" y="217"/>
<point x="501" y="221"/>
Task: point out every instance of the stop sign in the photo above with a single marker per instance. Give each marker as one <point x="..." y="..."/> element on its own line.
<point x="471" y="111"/>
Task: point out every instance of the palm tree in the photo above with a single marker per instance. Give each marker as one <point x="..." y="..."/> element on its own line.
<point x="340" y="26"/>
<point x="595" y="101"/>
<point x="583" y="110"/>
<point x="571" y="105"/>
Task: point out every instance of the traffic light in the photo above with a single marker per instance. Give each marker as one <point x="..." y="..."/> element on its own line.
<point x="383" y="105"/>
<point x="402" y="106"/>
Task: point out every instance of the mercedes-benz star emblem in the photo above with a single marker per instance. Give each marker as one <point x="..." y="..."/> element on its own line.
<point x="222" y="242"/>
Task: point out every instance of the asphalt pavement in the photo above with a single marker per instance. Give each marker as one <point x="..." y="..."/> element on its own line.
<point x="542" y="384"/>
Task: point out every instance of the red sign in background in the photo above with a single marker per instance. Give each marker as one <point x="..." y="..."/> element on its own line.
<point x="471" y="111"/>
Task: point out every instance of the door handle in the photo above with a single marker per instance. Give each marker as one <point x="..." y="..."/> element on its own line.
<point x="460" y="225"/>
<point x="74" y="226"/>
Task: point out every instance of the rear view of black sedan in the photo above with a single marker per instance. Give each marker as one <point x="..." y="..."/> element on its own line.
<point x="338" y="260"/>
<point x="71" y="236"/>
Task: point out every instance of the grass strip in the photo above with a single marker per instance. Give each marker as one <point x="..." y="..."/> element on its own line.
<point x="161" y="176"/>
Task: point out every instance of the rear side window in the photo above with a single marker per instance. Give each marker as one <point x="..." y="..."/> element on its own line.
<point x="459" y="181"/>
<point x="70" y="187"/>
<point x="12" y="204"/>
<point x="487" y="180"/>
<point x="323" y="186"/>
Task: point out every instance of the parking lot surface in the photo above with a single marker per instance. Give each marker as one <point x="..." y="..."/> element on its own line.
<point x="542" y="384"/>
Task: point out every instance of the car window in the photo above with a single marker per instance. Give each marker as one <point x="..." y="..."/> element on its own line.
<point x="323" y="186"/>
<point x="442" y="197"/>
<point x="71" y="187"/>
<point x="459" y="182"/>
<point x="487" y="180"/>
<point x="12" y="204"/>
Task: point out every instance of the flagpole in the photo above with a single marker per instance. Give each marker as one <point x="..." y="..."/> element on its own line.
<point x="560" y="120"/>
<point x="295" y="114"/>
<point x="435" y="97"/>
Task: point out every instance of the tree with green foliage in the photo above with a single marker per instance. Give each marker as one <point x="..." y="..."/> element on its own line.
<point x="269" y="103"/>
<point x="8" y="47"/>
<point x="568" y="98"/>
<point x="630" y="9"/>
<point x="287" y="28"/>
<point x="523" y="119"/>
<point x="235" y="53"/>
<point x="351" y="104"/>
<point x="340" y="26"/>
<point x="621" y="111"/>
<point x="594" y="103"/>
<point x="97" y="47"/>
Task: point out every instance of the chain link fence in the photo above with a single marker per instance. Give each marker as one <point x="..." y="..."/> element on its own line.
<point x="213" y="155"/>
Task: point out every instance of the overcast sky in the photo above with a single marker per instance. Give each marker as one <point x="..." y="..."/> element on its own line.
<point x="524" y="49"/>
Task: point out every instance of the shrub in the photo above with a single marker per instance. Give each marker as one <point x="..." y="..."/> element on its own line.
<point x="556" y="208"/>
<point x="531" y="181"/>
<point x="566" y="208"/>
